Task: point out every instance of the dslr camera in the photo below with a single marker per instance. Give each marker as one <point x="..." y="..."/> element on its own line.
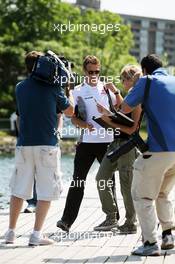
<point x="134" y="141"/>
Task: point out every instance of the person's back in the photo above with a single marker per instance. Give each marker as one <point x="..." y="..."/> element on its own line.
<point x="37" y="154"/>
<point x="160" y="109"/>
<point x="163" y="88"/>
<point x="37" y="109"/>
<point x="154" y="170"/>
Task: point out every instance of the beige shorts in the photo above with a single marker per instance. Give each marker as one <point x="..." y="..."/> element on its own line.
<point x="41" y="163"/>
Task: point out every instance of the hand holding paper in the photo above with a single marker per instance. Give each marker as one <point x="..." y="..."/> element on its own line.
<point x="90" y="127"/>
<point x="103" y="110"/>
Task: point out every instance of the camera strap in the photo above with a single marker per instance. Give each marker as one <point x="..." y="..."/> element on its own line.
<point x="145" y="97"/>
<point x="156" y="130"/>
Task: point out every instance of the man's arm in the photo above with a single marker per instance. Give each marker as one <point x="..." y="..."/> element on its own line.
<point x="66" y="104"/>
<point x="135" y="97"/>
<point x="69" y="111"/>
<point x="118" y="97"/>
<point x="125" y="108"/>
<point x="60" y="121"/>
<point x="119" y="100"/>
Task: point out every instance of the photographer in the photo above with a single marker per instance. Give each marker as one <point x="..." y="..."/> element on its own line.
<point x="154" y="171"/>
<point x="129" y="75"/>
<point x="37" y="152"/>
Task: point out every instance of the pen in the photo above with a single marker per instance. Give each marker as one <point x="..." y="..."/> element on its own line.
<point x="95" y="100"/>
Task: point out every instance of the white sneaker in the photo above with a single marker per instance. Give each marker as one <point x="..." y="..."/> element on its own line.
<point x="9" y="237"/>
<point x="147" y="250"/>
<point x="40" y="241"/>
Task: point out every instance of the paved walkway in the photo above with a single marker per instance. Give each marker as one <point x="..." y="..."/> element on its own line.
<point x="82" y="245"/>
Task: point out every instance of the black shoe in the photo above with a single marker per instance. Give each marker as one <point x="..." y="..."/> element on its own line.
<point x="107" y="225"/>
<point x="61" y="224"/>
<point x="127" y="229"/>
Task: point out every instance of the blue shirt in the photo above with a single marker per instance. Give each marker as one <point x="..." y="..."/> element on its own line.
<point x="37" y="106"/>
<point x="160" y="107"/>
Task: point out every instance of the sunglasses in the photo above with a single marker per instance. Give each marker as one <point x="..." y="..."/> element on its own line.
<point x="93" y="72"/>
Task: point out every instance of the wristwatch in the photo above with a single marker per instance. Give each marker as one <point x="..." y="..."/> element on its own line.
<point x="117" y="92"/>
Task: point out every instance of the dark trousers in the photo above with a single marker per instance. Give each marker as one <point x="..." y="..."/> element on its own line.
<point x="85" y="155"/>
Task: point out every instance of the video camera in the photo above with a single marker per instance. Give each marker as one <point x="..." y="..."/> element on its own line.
<point x="134" y="141"/>
<point x="53" y="70"/>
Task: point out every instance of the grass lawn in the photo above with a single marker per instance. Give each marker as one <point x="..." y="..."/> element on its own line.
<point x="4" y="133"/>
<point x="6" y="137"/>
<point x="143" y="134"/>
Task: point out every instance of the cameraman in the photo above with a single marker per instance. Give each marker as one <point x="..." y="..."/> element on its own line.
<point x="154" y="171"/>
<point x="37" y="153"/>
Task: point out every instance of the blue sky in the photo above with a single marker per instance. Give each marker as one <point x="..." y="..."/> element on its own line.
<point x="148" y="8"/>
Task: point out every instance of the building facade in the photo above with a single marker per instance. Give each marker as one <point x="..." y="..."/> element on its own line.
<point x="89" y="3"/>
<point x="152" y="35"/>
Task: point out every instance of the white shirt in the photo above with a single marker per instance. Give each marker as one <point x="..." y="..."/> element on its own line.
<point x="88" y="94"/>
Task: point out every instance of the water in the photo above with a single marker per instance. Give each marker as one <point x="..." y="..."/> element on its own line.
<point x="6" y="169"/>
<point x="7" y="166"/>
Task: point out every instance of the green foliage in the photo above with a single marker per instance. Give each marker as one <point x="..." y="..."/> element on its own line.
<point x="31" y="25"/>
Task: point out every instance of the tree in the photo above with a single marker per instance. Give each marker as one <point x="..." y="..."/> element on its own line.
<point x="35" y="25"/>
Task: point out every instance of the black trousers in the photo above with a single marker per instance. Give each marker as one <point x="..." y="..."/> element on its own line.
<point x="85" y="155"/>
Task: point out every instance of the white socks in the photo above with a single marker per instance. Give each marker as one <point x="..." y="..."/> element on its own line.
<point x="37" y="233"/>
<point x="10" y="229"/>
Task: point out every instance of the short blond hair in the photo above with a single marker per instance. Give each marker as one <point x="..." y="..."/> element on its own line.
<point x="90" y="59"/>
<point x="130" y="70"/>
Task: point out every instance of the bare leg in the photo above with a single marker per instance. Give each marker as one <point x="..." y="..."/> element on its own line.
<point x="15" y="209"/>
<point x="41" y="213"/>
